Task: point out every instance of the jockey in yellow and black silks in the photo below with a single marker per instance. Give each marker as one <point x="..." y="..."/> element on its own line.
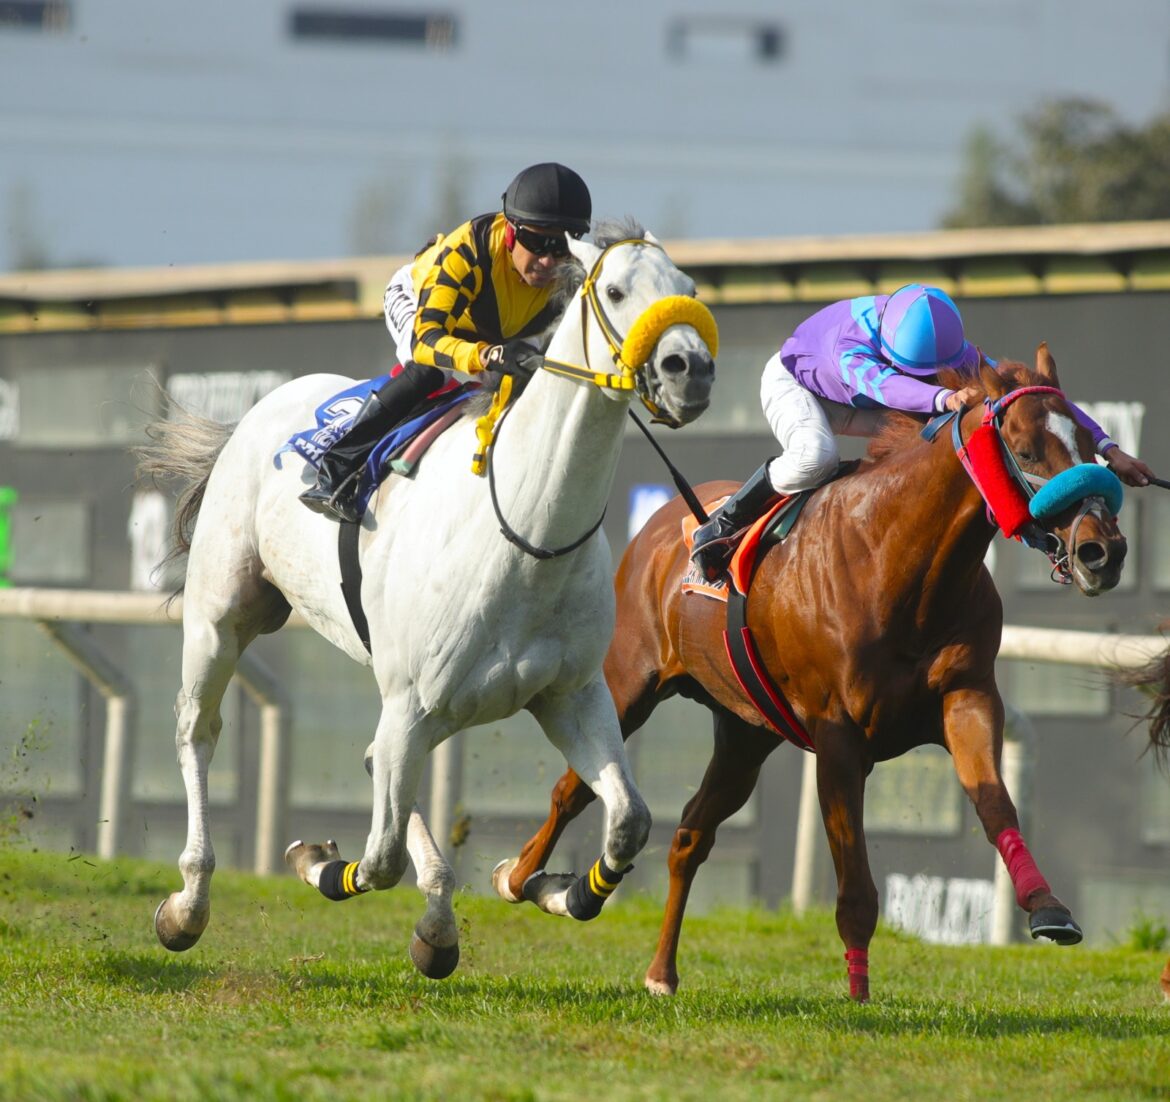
<point x="461" y="305"/>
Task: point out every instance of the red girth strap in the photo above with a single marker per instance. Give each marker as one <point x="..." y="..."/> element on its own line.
<point x="753" y="677"/>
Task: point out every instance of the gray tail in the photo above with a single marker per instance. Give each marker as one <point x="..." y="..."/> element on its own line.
<point x="180" y="455"/>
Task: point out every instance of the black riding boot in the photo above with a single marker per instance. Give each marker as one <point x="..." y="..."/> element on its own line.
<point x="711" y="550"/>
<point x="339" y="474"/>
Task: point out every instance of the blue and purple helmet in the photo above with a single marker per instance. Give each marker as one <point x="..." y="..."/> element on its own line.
<point x="921" y="331"/>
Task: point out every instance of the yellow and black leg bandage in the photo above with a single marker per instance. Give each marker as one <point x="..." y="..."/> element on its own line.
<point x="338" y="880"/>
<point x="585" y="898"/>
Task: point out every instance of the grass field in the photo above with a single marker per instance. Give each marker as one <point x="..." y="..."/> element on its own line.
<point x="289" y="996"/>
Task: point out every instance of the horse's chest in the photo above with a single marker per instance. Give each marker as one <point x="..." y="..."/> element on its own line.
<point x="488" y="656"/>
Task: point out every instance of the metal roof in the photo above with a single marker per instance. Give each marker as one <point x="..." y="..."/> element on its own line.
<point x="1090" y="258"/>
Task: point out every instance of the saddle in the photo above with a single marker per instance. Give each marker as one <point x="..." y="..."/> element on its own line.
<point x="751" y="543"/>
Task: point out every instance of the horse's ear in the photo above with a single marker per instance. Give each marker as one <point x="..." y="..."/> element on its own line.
<point x="648" y="236"/>
<point x="1046" y="365"/>
<point x="584" y="252"/>
<point x="993" y="382"/>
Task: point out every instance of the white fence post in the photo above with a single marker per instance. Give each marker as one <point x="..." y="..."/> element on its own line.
<point x="83" y="652"/>
<point x="808" y="830"/>
<point x="271" y="782"/>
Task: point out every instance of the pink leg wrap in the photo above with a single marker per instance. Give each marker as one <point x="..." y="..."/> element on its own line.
<point x="1021" y="868"/>
<point x="857" y="962"/>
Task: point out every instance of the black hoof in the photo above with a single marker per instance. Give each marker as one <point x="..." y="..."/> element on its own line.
<point x="432" y="961"/>
<point x="1056" y="925"/>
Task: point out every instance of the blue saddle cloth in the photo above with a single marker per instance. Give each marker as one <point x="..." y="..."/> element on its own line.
<point x="335" y="415"/>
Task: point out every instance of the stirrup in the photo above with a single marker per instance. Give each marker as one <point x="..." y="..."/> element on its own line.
<point x="339" y="503"/>
<point x="713" y="556"/>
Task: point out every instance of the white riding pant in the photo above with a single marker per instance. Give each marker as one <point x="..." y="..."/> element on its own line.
<point x="806" y="426"/>
<point x="399" y="305"/>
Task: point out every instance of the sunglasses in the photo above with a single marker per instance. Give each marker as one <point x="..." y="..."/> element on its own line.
<point x="543" y="244"/>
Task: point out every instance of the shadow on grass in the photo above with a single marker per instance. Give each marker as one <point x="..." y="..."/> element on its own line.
<point x="150" y="972"/>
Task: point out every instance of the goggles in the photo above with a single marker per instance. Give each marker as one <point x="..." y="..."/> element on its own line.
<point x="543" y="244"/>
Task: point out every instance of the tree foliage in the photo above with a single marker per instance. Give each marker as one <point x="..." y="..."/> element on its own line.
<point x="1072" y="160"/>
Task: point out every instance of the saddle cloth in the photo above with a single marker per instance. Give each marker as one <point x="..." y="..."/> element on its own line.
<point x="393" y="452"/>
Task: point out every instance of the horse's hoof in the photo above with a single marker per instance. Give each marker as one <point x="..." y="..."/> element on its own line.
<point x="1055" y="924"/>
<point x="433" y="961"/>
<point x="302" y="856"/>
<point x="173" y="936"/>
<point x="660" y="987"/>
<point x="500" y="876"/>
<point x="548" y="890"/>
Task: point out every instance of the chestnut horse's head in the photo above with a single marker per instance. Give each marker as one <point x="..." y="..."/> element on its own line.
<point x="1076" y="501"/>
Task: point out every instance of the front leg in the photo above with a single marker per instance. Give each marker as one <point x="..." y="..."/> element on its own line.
<point x="973" y="728"/>
<point x="843" y="763"/>
<point x="570" y="796"/>
<point x="583" y="726"/>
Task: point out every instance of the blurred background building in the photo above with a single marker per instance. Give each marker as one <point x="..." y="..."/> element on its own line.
<point x="150" y="132"/>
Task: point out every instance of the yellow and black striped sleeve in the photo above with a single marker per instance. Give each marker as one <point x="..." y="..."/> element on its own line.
<point x="444" y="334"/>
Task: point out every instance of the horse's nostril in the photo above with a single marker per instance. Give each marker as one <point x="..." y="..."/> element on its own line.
<point x="1092" y="555"/>
<point x="673" y="364"/>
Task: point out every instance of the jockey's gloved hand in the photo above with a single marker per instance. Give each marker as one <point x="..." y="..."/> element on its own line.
<point x="515" y="358"/>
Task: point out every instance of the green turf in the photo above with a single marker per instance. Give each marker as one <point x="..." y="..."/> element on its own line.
<point x="289" y="996"/>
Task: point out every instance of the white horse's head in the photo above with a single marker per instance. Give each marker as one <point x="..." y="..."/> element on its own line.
<point x="645" y="321"/>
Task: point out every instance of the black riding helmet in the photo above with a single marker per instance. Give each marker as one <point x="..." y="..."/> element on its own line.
<point x="549" y="195"/>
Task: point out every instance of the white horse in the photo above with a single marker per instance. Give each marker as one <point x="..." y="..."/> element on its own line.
<point x="479" y="603"/>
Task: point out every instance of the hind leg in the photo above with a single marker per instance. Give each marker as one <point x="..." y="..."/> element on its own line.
<point x="210" y="652"/>
<point x="731" y="777"/>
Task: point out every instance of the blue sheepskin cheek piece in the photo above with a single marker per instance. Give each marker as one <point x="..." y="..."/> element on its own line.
<point x="1076" y="484"/>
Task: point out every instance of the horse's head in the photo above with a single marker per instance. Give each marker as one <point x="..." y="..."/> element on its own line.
<point x="1075" y="504"/>
<point x="644" y="319"/>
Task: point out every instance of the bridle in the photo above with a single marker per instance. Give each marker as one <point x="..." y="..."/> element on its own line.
<point x="1018" y="502"/>
<point x="629" y="355"/>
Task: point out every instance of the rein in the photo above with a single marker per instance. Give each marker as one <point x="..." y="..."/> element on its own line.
<point x="514" y="537"/>
<point x="629" y="356"/>
<point x="1016" y="502"/>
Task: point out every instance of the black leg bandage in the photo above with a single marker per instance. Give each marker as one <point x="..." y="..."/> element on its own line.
<point x="339" y="880"/>
<point x="585" y="898"/>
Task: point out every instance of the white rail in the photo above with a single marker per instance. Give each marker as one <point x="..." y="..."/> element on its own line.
<point x="58" y="611"/>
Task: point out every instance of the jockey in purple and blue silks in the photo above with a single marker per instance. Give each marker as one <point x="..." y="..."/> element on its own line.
<point x="837" y="374"/>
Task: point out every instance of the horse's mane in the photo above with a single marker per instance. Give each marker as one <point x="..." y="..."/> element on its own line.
<point x="902" y="428"/>
<point x="571" y="273"/>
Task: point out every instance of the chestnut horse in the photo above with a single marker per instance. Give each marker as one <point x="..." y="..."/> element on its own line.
<point x="879" y="623"/>
<point x="1154" y="678"/>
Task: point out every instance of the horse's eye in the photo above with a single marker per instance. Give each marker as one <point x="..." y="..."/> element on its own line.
<point x="1026" y="457"/>
<point x="614" y="294"/>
